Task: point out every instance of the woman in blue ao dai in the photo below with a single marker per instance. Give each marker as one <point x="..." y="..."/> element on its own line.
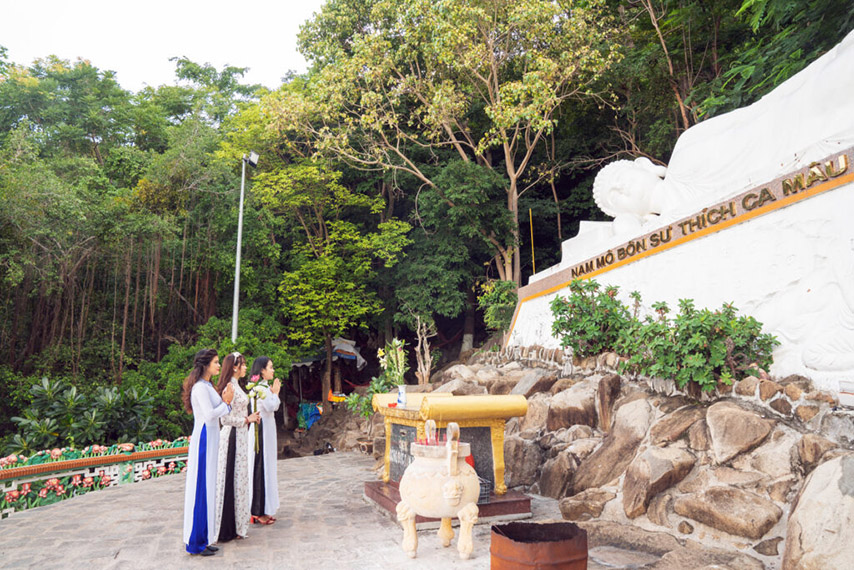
<point x="202" y="400"/>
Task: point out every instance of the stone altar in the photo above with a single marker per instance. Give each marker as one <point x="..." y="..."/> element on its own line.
<point x="480" y="418"/>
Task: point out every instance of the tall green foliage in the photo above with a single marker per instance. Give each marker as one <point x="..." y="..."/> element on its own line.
<point x="482" y="79"/>
<point x="118" y="226"/>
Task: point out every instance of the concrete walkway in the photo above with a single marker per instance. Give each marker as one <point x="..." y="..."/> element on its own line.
<point x="324" y="522"/>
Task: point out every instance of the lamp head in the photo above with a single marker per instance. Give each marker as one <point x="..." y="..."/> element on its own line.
<point x="252" y="159"/>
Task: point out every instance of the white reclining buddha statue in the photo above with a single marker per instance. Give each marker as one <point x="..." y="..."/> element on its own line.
<point x="806" y="118"/>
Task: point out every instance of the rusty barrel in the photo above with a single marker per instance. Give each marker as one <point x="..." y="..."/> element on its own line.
<point x="518" y="545"/>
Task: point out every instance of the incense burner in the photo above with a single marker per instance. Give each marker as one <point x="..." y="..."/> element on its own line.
<point x="439" y="483"/>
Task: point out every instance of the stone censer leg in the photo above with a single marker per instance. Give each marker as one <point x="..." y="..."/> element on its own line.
<point x="410" y="538"/>
<point x="446" y="532"/>
<point x="468" y="518"/>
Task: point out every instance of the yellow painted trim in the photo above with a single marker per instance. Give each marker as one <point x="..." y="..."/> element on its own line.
<point x="776" y="205"/>
<point x="477" y="407"/>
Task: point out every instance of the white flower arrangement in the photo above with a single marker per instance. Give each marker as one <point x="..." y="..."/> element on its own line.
<point x="256" y="389"/>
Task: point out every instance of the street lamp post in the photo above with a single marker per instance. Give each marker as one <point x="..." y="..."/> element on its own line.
<point x="252" y="159"/>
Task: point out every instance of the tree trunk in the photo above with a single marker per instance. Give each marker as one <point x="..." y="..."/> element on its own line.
<point x="152" y="281"/>
<point x="337" y="370"/>
<point x="136" y="286"/>
<point x="113" y="326"/>
<point x="183" y="253"/>
<point x="424" y="359"/>
<point x="128" y="258"/>
<point x="513" y="206"/>
<point x="145" y="287"/>
<point x="468" y="327"/>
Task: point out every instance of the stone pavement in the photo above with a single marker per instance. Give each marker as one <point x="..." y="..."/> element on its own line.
<point x="324" y="522"/>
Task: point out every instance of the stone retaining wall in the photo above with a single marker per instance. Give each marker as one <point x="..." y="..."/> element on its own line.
<point x="790" y="398"/>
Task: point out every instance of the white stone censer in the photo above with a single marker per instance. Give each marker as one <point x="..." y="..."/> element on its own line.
<point x="439" y="484"/>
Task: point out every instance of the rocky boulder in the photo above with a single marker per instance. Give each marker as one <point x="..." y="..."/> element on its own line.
<point x="538" y="412"/>
<point x="731" y="510"/>
<point x="655" y="470"/>
<point x="502" y="386"/>
<point x="582" y="448"/>
<point x="774" y="456"/>
<point x="698" y="436"/>
<point x="781" y="489"/>
<point x="533" y="382"/>
<point x="460" y="372"/>
<point x="707" y="559"/>
<point x="810" y="449"/>
<point x="522" y="459"/>
<point x="573" y="406"/>
<point x="487" y="375"/>
<point x="838" y="426"/>
<point x="734" y="430"/>
<point x="585" y="505"/>
<point x="565" y="383"/>
<point x="821" y="526"/>
<point x="607" y="463"/>
<point x="461" y="387"/>
<point x="556" y="475"/>
<point x="564" y="436"/>
<point x="671" y="427"/>
<point x="659" y="509"/>
<point x="606" y="397"/>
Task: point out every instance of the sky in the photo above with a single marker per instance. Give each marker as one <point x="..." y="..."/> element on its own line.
<point x="136" y="39"/>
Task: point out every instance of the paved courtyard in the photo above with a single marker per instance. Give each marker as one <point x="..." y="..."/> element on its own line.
<point x="324" y="522"/>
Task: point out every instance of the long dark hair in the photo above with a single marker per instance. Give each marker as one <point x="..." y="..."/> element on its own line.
<point x="200" y="363"/>
<point x="258" y="365"/>
<point x="229" y="363"/>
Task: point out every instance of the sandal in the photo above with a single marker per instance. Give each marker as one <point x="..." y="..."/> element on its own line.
<point x="257" y="520"/>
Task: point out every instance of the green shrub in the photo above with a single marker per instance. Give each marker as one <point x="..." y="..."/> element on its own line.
<point x="59" y="415"/>
<point x="498" y="302"/>
<point x="702" y="347"/>
<point x="590" y="319"/>
<point x="55" y="413"/>
<point x="259" y="333"/>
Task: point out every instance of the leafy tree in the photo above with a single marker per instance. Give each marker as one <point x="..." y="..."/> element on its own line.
<point x="77" y="108"/>
<point x="218" y="93"/>
<point x="498" y="301"/>
<point x="325" y="293"/>
<point x="784" y="38"/>
<point x="483" y="79"/>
